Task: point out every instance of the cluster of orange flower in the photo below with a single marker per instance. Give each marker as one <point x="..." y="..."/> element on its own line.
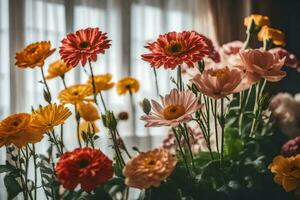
<point x="88" y="166"/>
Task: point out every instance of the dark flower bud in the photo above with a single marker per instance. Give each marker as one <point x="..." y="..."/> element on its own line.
<point x="123" y="115"/>
<point x="291" y="147"/>
<point x="146" y="106"/>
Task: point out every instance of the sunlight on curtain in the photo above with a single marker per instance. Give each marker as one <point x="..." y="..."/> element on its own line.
<point x="4" y="75"/>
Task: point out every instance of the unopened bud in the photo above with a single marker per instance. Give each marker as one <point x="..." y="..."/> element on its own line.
<point x="123" y="115"/>
<point x="146" y="106"/>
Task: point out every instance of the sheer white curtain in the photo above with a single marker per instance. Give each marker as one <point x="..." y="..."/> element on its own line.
<point x="129" y="24"/>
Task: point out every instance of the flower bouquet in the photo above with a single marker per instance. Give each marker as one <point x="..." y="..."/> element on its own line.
<point x="223" y="130"/>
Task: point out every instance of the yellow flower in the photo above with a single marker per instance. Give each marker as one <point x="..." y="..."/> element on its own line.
<point x="88" y="112"/>
<point x="287" y="172"/>
<point x="259" y="20"/>
<point x="102" y="82"/>
<point x="149" y="168"/>
<point x="127" y="84"/>
<point x="34" y="55"/>
<point x="49" y="116"/>
<point x="57" y="68"/>
<point x="88" y="127"/>
<point x="275" y="35"/>
<point x="16" y="129"/>
<point x="75" y="94"/>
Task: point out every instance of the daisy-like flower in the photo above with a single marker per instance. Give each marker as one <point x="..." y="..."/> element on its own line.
<point x="16" y="129"/>
<point x="75" y="94"/>
<point x="287" y="172"/>
<point x="57" y="68"/>
<point x="102" y="82"/>
<point x="262" y="64"/>
<point x="127" y="84"/>
<point x="50" y="116"/>
<point x="85" y="166"/>
<point x="34" y="55"/>
<point x="177" y="107"/>
<point x="173" y="49"/>
<point x="218" y="83"/>
<point x="149" y="168"/>
<point x="88" y="111"/>
<point x="83" y="46"/>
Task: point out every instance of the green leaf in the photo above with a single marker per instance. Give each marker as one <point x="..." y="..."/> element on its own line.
<point x="5" y="168"/>
<point x="12" y="186"/>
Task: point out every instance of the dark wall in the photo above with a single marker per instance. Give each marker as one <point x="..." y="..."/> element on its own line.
<point x="284" y="15"/>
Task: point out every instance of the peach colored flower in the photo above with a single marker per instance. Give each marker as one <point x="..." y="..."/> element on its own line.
<point x="149" y="168"/>
<point x="262" y="64"/>
<point x="177" y="107"/>
<point x="290" y="59"/>
<point x="218" y="83"/>
<point x="232" y="48"/>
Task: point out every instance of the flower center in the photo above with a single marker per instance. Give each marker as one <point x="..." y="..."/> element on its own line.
<point x="151" y="162"/>
<point x="15" y="122"/>
<point x="175" y="48"/>
<point x="32" y="50"/>
<point x="83" y="163"/>
<point x="84" y="45"/>
<point x="173" y="112"/>
<point x="218" y="73"/>
<point x="75" y="93"/>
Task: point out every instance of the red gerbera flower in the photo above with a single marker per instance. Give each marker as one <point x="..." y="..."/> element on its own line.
<point x="83" y="46"/>
<point x="85" y="166"/>
<point x="173" y="49"/>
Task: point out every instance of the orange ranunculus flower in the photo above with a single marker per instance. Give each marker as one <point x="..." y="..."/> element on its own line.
<point x="102" y="82"/>
<point x="287" y="172"/>
<point x="149" y="168"/>
<point x="88" y="111"/>
<point x="75" y="94"/>
<point x="34" y="55"/>
<point x="49" y="116"/>
<point x="16" y="129"/>
<point x="127" y="84"/>
<point x="275" y="35"/>
<point x="86" y="167"/>
<point x="259" y="20"/>
<point x="57" y="68"/>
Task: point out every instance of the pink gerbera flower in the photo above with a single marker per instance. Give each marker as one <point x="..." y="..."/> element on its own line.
<point x="83" y="46"/>
<point x="177" y="107"/>
<point x="173" y="49"/>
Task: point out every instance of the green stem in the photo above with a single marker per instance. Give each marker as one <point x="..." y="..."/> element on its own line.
<point x="64" y="81"/>
<point x="156" y="82"/>
<point x="181" y="150"/>
<point x="222" y="130"/>
<point x="45" y="83"/>
<point x="187" y="140"/>
<point x="77" y="117"/>
<point x="216" y="125"/>
<point x="93" y="82"/>
<point x="35" y="171"/>
<point x="103" y="102"/>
